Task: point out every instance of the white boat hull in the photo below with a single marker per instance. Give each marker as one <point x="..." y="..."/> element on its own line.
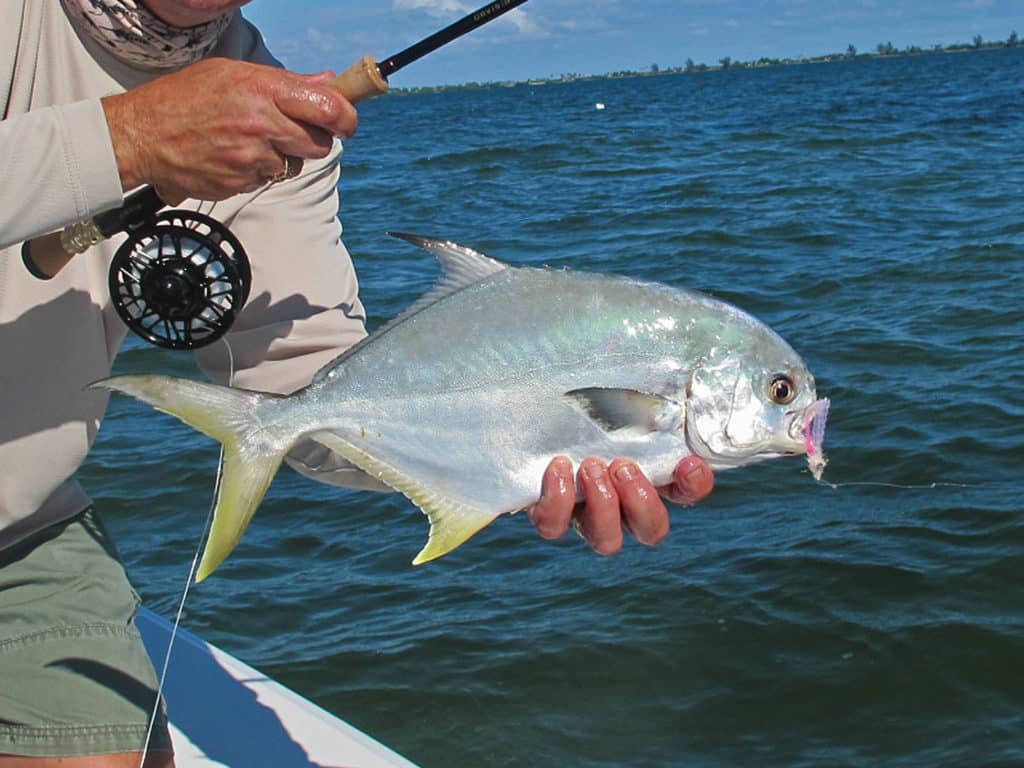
<point x="225" y="713"/>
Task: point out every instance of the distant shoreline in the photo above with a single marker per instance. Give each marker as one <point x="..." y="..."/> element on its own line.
<point x="883" y="50"/>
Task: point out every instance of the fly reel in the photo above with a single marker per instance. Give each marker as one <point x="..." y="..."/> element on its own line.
<point x="179" y="279"/>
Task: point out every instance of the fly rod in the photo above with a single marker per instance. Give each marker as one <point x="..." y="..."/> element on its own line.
<point x="181" y="277"/>
<point x="368" y="77"/>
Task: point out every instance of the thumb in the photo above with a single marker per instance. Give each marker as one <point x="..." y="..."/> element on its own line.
<point x="319" y="77"/>
<point x="693" y="481"/>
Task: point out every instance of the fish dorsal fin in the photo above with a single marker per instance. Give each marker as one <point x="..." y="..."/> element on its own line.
<point x="461" y="267"/>
<point x="627" y="409"/>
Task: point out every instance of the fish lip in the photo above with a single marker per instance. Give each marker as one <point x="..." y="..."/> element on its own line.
<point x="807" y="426"/>
<point x="795" y="428"/>
<point x="796" y="425"/>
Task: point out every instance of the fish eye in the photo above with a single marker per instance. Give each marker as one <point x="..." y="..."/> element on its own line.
<point x="782" y="389"/>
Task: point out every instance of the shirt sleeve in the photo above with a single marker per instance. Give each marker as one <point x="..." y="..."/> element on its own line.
<point x="65" y="155"/>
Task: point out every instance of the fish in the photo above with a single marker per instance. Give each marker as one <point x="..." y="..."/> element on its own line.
<point x="461" y="401"/>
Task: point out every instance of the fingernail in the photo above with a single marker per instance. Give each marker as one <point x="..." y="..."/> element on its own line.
<point x="595" y="472"/>
<point x="625" y="473"/>
<point x="562" y="467"/>
<point x="695" y="476"/>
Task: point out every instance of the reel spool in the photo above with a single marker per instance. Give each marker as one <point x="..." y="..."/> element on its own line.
<point x="179" y="279"/>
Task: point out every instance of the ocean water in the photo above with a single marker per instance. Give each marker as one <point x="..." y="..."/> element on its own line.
<point x="871" y="212"/>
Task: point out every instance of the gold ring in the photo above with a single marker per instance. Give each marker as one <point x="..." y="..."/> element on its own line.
<point x="285" y="173"/>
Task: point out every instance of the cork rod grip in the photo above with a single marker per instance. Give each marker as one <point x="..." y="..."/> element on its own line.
<point x="361" y="81"/>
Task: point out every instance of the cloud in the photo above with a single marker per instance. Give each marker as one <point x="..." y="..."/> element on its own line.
<point x="450" y="10"/>
<point x="525" y="24"/>
<point x="437" y="8"/>
<point x="319" y="41"/>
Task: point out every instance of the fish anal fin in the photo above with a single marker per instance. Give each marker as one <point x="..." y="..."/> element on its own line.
<point x="627" y="409"/>
<point x="452" y="521"/>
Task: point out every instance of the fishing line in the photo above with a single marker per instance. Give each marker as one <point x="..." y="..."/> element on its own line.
<point x="924" y="486"/>
<point x="188" y="582"/>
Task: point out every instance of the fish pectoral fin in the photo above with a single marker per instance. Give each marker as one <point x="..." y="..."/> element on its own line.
<point x="616" y="409"/>
<point x="452" y="521"/>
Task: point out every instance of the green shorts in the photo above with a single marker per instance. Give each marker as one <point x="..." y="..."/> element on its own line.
<point x="75" y="678"/>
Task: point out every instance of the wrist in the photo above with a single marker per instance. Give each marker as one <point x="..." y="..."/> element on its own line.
<point x="123" y="125"/>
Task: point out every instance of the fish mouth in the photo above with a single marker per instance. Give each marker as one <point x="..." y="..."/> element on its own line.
<point x="808" y="428"/>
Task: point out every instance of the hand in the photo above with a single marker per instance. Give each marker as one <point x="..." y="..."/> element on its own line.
<point x="221" y="127"/>
<point x="617" y="497"/>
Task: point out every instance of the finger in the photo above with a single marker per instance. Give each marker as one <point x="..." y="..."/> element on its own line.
<point x="319" y="77"/>
<point x="643" y="512"/>
<point x="551" y="514"/>
<point x="694" y="480"/>
<point x="292" y="135"/>
<point x="302" y="140"/>
<point x="600" y="521"/>
<point x="316" y="105"/>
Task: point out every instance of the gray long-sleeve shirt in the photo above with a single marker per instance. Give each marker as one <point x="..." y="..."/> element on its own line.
<point x="59" y="335"/>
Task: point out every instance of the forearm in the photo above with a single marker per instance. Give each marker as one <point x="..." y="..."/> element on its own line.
<point x="58" y="167"/>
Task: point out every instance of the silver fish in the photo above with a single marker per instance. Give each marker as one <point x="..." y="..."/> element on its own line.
<point x="461" y="401"/>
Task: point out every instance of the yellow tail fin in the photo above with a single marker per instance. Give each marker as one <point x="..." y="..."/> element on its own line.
<point x="252" y="453"/>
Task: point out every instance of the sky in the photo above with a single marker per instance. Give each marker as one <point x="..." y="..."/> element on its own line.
<point x="550" y="38"/>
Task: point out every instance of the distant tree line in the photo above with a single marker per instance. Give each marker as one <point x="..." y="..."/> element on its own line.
<point x="882" y="49"/>
<point x="726" y="62"/>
